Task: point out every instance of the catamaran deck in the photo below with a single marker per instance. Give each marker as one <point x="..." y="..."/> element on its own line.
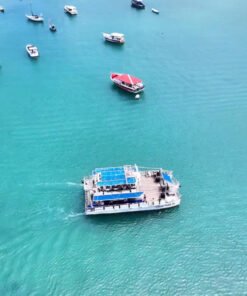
<point x="150" y="187"/>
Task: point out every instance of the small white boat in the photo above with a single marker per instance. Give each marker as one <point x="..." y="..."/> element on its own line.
<point x="114" y="37"/>
<point x="32" y="50"/>
<point x="70" y="9"/>
<point x="35" y="17"/>
<point x="2" y="9"/>
<point x="155" y="11"/>
<point x="52" y="28"/>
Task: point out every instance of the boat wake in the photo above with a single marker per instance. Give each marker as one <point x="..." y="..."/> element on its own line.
<point x="73" y="215"/>
<point x="74" y="184"/>
<point x="54" y="184"/>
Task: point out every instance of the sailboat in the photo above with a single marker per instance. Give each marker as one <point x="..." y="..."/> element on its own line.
<point x="34" y="17"/>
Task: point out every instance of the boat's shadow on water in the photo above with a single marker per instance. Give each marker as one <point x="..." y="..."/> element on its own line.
<point x="70" y="16"/>
<point x="113" y="46"/>
<point x="33" y="60"/>
<point x="131" y="217"/>
<point x="35" y="23"/>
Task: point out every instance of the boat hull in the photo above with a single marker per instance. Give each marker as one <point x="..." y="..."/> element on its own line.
<point x="128" y="89"/>
<point x="113" y="41"/>
<point x="133" y="208"/>
<point x="155" y="11"/>
<point x="33" y="19"/>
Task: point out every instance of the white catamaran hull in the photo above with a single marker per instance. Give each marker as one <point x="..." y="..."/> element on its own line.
<point x="133" y="208"/>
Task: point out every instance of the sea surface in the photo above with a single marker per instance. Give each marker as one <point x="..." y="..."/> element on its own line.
<point x="60" y="117"/>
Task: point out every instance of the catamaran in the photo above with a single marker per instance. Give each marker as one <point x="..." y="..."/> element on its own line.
<point x="130" y="188"/>
<point x="127" y="82"/>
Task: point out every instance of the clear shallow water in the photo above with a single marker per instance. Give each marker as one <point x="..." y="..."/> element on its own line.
<point x="60" y="117"/>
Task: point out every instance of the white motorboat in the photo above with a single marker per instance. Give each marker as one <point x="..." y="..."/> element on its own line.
<point x="32" y="50"/>
<point x="35" y="17"/>
<point x="70" y="9"/>
<point x="155" y="11"/>
<point x="114" y="37"/>
<point x="2" y="9"/>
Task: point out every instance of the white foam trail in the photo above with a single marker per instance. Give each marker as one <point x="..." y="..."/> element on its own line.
<point x="73" y="215"/>
<point x="56" y="210"/>
<point x="74" y="184"/>
<point x="47" y="184"/>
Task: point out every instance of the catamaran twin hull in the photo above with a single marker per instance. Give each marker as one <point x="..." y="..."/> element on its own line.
<point x="138" y="208"/>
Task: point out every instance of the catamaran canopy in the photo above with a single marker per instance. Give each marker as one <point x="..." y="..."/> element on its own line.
<point x="167" y="177"/>
<point x="113" y="176"/>
<point x="134" y="195"/>
<point x="127" y="181"/>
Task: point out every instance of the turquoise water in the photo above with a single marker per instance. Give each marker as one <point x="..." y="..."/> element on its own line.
<point x="60" y="117"/>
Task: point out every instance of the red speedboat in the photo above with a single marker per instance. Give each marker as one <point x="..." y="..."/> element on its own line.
<point x="127" y="82"/>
